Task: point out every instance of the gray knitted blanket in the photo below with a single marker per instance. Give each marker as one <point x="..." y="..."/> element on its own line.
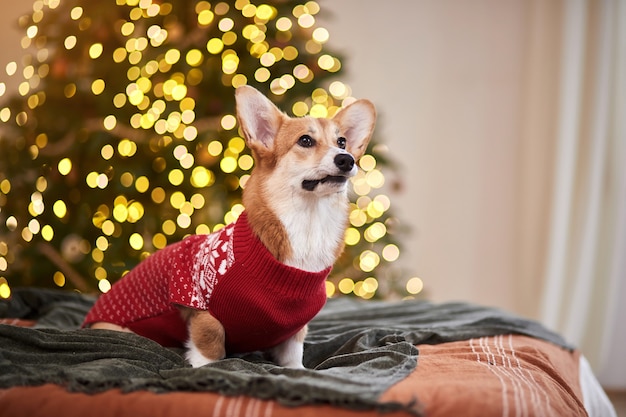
<point x="354" y="351"/>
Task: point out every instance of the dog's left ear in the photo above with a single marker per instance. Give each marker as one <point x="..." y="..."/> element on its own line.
<point x="258" y="117"/>
<point x="356" y="123"/>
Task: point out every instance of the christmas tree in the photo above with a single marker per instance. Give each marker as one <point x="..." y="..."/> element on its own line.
<point x="122" y="137"/>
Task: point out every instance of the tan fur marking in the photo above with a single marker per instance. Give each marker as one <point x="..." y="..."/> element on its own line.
<point x="102" y="325"/>
<point x="207" y="333"/>
<point x="264" y="222"/>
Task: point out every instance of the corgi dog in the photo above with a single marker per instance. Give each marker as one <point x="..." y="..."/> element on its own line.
<point x="255" y="284"/>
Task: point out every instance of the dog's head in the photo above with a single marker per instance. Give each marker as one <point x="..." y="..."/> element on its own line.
<point x="306" y="155"/>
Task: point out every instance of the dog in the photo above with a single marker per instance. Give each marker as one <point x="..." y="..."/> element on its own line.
<point x="255" y="284"/>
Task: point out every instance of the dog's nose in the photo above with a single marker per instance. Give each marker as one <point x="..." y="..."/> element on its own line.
<point x="344" y="161"/>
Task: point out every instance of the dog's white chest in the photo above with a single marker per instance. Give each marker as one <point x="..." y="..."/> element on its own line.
<point x="315" y="236"/>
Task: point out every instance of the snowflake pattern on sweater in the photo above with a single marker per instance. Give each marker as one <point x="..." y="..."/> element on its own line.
<point x="214" y="257"/>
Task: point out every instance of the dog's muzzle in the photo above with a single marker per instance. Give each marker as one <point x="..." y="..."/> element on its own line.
<point x="344" y="162"/>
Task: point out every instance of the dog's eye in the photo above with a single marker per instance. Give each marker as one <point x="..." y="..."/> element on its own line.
<point x="341" y="142"/>
<point x="306" y="141"/>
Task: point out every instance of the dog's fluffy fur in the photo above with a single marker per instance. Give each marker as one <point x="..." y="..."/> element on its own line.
<point x="296" y="200"/>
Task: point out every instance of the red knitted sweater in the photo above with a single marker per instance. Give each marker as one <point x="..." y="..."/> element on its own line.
<point x="259" y="301"/>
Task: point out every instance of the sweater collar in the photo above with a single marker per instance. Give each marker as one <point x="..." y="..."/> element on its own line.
<point x="256" y="259"/>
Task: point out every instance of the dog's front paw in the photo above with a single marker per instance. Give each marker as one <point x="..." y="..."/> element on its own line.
<point x="289" y="353"/>
<point x="293" y="364"/>
<point x="195" y="358"/>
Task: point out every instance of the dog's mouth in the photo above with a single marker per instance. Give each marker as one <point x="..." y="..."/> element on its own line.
<point x="310" y="185"/>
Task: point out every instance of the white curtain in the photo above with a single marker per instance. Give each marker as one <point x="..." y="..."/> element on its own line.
<point x="586" y="267"/>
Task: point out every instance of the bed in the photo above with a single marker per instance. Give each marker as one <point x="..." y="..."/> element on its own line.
<point x="363" y="359"/>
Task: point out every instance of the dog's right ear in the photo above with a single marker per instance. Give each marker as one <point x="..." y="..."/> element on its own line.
<point x="258" y="117"/>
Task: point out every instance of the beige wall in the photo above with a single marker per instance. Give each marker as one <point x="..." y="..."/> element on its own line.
<point x="465" y="91"/>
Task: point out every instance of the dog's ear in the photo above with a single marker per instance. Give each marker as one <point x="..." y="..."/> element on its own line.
<point x="356" y="123"/>
<point x="258" y="117"/>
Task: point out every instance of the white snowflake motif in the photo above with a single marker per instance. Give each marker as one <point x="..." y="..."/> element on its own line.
<point x="212" y="260"/>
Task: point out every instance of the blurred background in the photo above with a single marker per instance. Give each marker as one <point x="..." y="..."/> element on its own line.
<point x="505" y="135"/>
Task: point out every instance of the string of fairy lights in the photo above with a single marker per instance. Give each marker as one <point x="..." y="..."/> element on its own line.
<point x="164" y="124"/>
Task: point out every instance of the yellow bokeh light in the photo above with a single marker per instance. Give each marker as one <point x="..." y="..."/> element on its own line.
<point x="76" y="13"/>
<point x="352" y="236"/>
<point x="367" y="162"/>
<point x="202" y="177"/>
<point x="107" y="151"/>
<point x="215" y="46"/>
<point x="205" y="17"/>
<point x="65" y="166"/>
<point x="230" y="62"/>
<point x="136" y="241"/>
<point x="300" y="108"/>
<point x="368" y="260"/>
<point x="228" y="122"/>
<point x="183" y="220"/>
<point x="172" y="56"/>
<point x="120" y="212"/>
<point x="102" y="243"/>
<point x="70" y="42"/>
<point x="97" y="87"/>
<point x="391" y="252"/>
<point x="215" y="148"/>
<point x="239" y="80"/>
<point x="127" y="28"/>
<point x="177" y="199"/>
<point x="283" y="24"/>
<point x="228" y="164"/>
<point x="357" y="218"/>
<point x="110" y="122"/>
<point x="100" y="273"/>
<point x="245" y="162"/>
<point x="176" y="177"/>
<point x="290" y="53"/>
<point x="375" y="232"/>
<point x="370" y="285"/>
<point x="126" y="147"/>
<point x="414" y="285"/>
<point x="47" y="232"/>
<point x="5" y="186"/>
<point x="59" y="208"/>
<point x="197" y="201"/>
<point x="236" y="145"/>
<point x="95" y="50"/>
<point x="306" y="20"/>
<point x="265" y="12"/>
<point x="179" y="92"/>
<point x="108" y="227"/>
<point x="158" y="195"/>
<point x="159" y="241"/>
<point x="262" y="74"/>
<point x="104" y="285"/>
<point x="375" y="178"/>
<point x="69" y="90"/>
<point x="59" y="279"/>
<point x="330" y="289"/>
<point x="5" y="290"/>
<point x="346" y="285"/>
<point x="135" y="211"/>
<point x="321" y="35"/>
<point x="319" y="111"/>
